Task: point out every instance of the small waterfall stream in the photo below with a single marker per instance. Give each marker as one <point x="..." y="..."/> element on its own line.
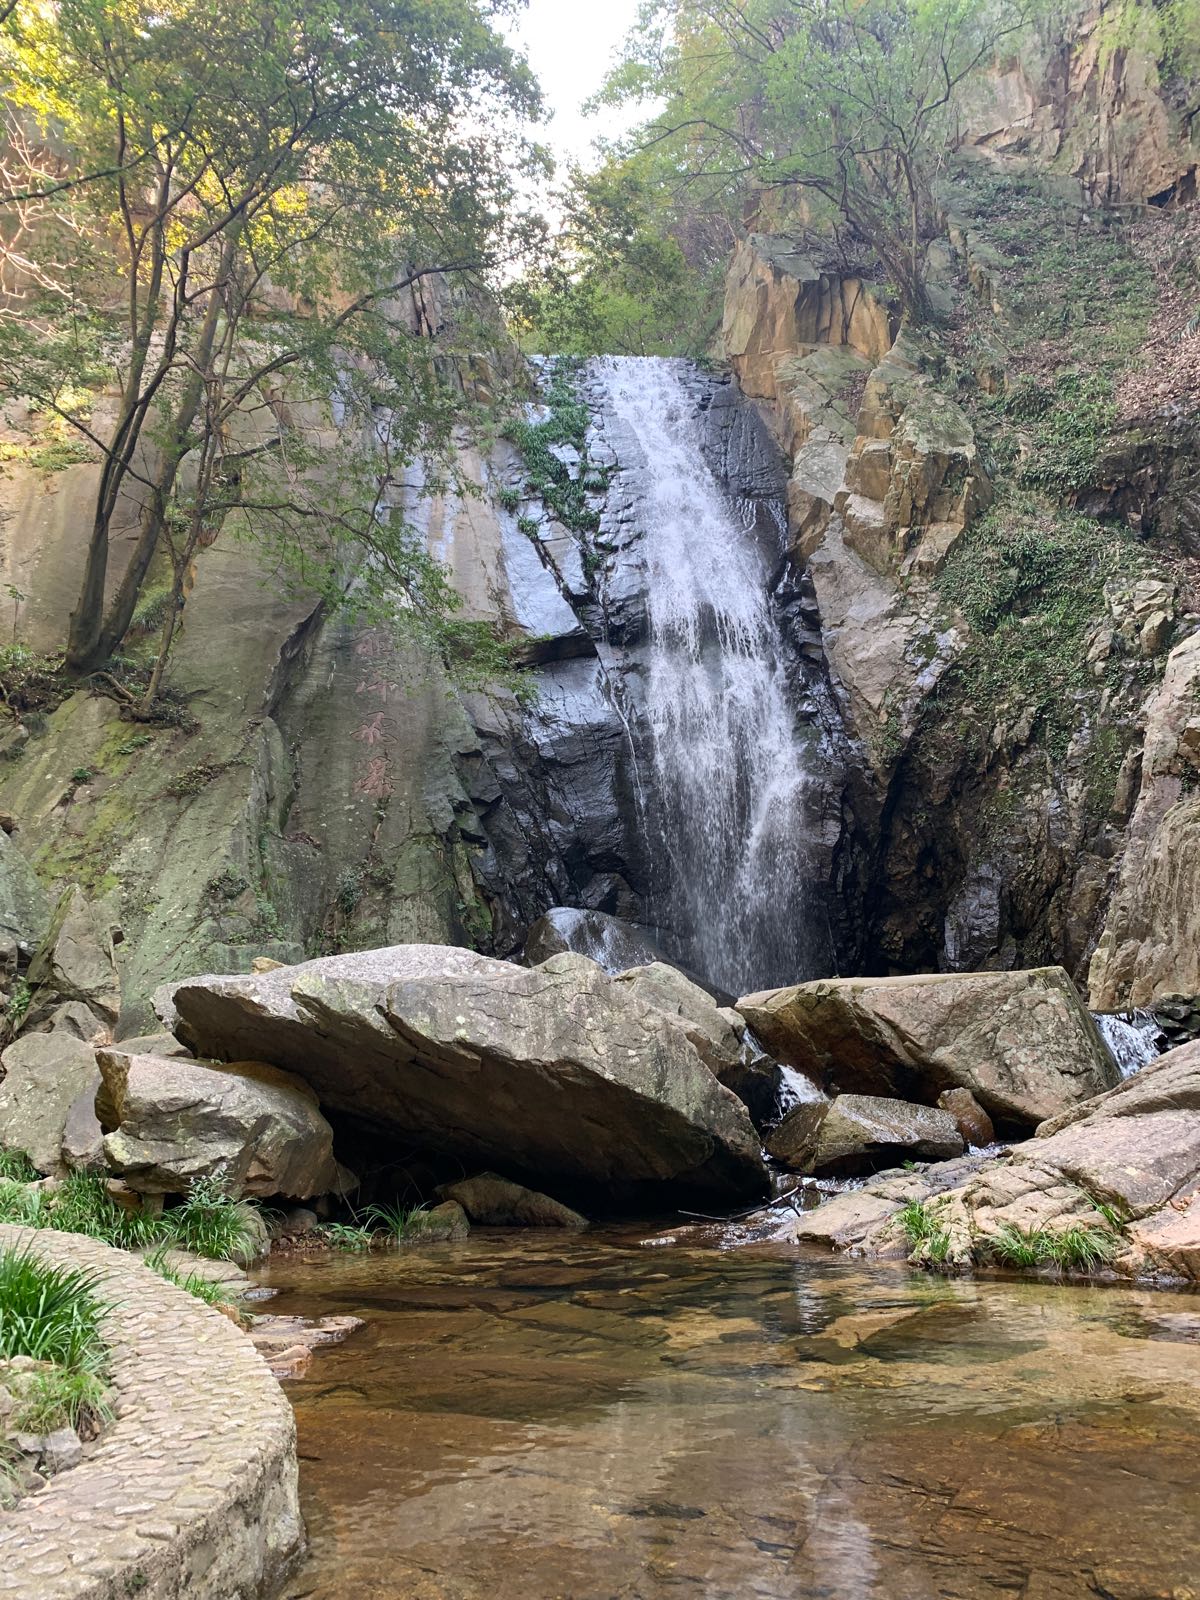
<point x="727" y="770"/>
<point x="1134" y="1039"/>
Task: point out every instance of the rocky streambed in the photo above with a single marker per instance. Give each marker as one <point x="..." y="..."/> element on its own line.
<point x="580" y="1415"/>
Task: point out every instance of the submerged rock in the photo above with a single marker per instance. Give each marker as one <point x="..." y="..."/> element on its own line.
<point x="490" y="1199"/>
<point x="857" y="1133"/>
<point x="174" y="1121"/>
<point x="556" y="1071"/>
<point x="1021" y="1042"/>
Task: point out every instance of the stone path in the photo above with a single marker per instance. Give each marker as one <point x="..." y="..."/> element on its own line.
<point x="192" y="1491"/>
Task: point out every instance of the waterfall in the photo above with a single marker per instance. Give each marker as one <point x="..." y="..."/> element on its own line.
<point x="726" y="773"/>
<point x="1134" y="1039"/>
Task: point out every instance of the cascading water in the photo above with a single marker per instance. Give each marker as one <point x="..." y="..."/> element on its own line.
<point x="1134" y="1039"/>
<point x="726" y="777"/>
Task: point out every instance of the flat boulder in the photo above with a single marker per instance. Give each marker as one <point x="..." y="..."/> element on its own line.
<point x="170" y="1122"/>
<point x="498" y="1202"/>
<point x="1021" y="1042"/>
<point x="858" y="1133"/>
<point x="45" y="1074"/>
<point x="555" y="1071"/>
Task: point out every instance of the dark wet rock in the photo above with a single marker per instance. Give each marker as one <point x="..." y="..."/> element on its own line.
<point x="971" y="1120"/>
<point x="44" y="1075"/>
<point x="174" y="1121"/>
<point x="1021" y="1042"/>
<point x="856" y="1133"/>
<point x="495" y="1201"/>
<point x="556" y="1072"/>
<point x="611" y="942"/>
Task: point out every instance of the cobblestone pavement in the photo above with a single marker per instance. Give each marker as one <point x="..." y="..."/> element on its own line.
<point x="192" y="1490"/>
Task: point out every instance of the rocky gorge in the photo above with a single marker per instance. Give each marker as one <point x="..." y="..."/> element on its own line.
<point x="816" y="880"/>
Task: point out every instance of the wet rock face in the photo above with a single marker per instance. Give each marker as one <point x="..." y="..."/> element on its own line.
<point x="172" y="1121"/>
<point x="557" y="1072"/>
<point x="1021" y="1042"/>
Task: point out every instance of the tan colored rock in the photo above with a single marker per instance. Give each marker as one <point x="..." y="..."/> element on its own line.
<point x="855" y="1134"/>
<point x="44" y="1075"/>
<point x="1150" y="945"/>
<point x="689" y="1008"/>
<point x="1134" y="1151"/>
<point x="971" y="1120"/>
<point x="173" y="1121"/>
<point x="1021" y="1042"/>
<point x="497" y="1202"/>
<point x="778" y="302"/>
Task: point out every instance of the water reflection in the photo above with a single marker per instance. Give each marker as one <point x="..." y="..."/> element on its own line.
<point x="528" y="1418"/>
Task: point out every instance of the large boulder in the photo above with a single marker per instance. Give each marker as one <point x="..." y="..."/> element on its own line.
<point x="689" y="1008"/>
<point x="75" y="960"/>
<point x="1021" y="1042"/>
<point x="611" y="942"/>
<point x="172" y="1121"/>
<point x="44" y="1075"/>
<point x="490" y="1199"/>
<point x="1128" y="1162"/>
<point x="858" y="1133"/>
<point x="555" y="1071"/>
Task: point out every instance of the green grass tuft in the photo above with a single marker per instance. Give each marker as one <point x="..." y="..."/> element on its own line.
<point x="49" y="1313"/>
<point x="208" y="1222"/>
<point x="398" y="1221"/>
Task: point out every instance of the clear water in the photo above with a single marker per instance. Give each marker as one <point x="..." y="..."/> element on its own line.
<point x="533" y="1417"/>
<point x="728" y="778"/>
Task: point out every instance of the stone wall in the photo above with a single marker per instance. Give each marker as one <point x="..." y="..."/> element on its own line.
<point x="192" y="1490"/>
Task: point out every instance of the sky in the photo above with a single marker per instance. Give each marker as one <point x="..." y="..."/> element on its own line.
<point x="570" y="45"/>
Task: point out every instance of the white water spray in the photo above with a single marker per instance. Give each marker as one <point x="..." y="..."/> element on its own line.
<point x="729" y="779"/>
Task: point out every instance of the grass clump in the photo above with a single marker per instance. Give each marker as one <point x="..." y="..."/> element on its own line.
<point x="349" y="1236"/>
<point x="49" y="1313"/>
<point x="217" y="1295"/>
<point x="927" y="1238"/>
<point x="1080" y="1247"/>
<point x="396" y="1220"/>
<point x="209" y="1222"/>
<point x="22" y="1206"/>
<point x="16" y="1166"/>
<point x="83" y="1204"/>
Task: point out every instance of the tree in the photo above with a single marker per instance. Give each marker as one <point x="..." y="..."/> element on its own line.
<point x="842" y="101"/>
<point x="271" y="198"/>
<point x="626" y="276"/>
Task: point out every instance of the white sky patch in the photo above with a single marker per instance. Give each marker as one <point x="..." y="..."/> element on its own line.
<point x="570" y="45"/>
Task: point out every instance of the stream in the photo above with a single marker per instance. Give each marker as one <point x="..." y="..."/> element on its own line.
<point x="530" y="1416"/>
